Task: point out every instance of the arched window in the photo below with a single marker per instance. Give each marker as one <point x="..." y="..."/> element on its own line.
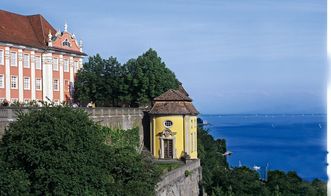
<point x="66" y="43"/>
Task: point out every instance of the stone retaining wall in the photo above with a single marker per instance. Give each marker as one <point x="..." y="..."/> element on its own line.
<point x="121" y="118"/>
<point x="176" y="183"/>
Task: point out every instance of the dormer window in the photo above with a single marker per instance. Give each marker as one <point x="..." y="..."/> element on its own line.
<point x="66" y="43"/>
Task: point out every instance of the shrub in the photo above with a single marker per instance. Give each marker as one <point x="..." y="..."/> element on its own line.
<point x="59" y="150"/>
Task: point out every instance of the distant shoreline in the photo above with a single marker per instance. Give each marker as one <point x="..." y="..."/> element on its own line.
<point x="271" y="114"/>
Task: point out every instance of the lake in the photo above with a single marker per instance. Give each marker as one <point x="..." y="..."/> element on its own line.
<point x="291" y="142"/>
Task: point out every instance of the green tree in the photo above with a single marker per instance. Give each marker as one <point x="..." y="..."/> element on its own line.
<point x="149" y="78"/>
<point x="59" y="150"/>
<point x="215" y="167"/>
<point x="219" y="179"/>
<point x="13" y="181"/>
<point x="90" y="85"/>
<point x="136" y="83"/>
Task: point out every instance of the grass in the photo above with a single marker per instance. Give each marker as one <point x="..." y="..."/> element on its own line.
<point x="166" y="167"/>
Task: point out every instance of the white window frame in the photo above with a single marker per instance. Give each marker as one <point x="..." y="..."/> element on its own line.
<point x="165" y="123"/>
<point x="2" y="57"/>
<point x="26" y="85"/>
<point x="26" y="62"/>
<point x="38" y="65"/>
<point x="57" y="85"/>
<point x="65" y="65"/>
<point x="40" y="84"/>
<point x="16" y="82"/>
<point x="55" y="64"/>
<point x="11" y="59"/>
<point x="2" y="81"/>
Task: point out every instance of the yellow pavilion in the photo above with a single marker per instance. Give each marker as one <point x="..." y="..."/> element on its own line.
<point x="173" y="123"/>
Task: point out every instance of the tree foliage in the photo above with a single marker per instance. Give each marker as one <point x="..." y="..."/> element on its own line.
<point x="136" y="83"/>
<point x="59" y="150"/>
<point x="220" y="179"/>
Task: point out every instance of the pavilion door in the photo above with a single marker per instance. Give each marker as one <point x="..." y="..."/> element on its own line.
<point x="168" y="149"/>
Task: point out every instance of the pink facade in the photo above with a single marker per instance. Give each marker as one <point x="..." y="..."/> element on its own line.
<point x="35" y="64"/>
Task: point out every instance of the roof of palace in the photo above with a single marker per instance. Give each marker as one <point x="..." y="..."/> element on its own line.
<point x="31" y="31"/>
<point x="173" y="102"/>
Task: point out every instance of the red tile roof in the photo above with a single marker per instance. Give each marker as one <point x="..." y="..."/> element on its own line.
<point x="173" y="102"/>
<point x="29" y="31"/>
<point x="172" y="95"/>
<point x="168" y="108"/>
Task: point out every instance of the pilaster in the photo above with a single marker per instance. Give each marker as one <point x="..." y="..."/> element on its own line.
<point x="33" y="76"/>
<point x="61" y="79"/>
<point x="7" y="73"/>
<point x="71" y="69"/>
<point x="20" y="76"/>
<point x="47" y="76"/>
<point x="187" y="133"/>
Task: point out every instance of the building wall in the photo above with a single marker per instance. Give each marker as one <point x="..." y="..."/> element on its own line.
<point x="177" y="128"/>
<point x="28" y="70"/>
<point x="185" y="137"/>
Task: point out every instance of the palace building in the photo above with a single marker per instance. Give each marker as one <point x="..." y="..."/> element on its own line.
<point x="37" y="62"/>
<point x="173" y="123"/>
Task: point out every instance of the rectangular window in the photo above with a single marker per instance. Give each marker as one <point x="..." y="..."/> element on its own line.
<point x="65" y="65"/>
<point x="55" y="85"/>
<point x="38" y="62"/>
<point x="55" y="64"/>
<point x="2" y="57"/>
<point x="13" y="83"/>
<point x="38" y="84"/>
<point x="2" y="81"/>
<point x="13" y="59"/>
<point x="26" y="83"/>
<point x="26" y="61"/>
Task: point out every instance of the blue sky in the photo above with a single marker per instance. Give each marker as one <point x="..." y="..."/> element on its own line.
<point x="257" y="56"/>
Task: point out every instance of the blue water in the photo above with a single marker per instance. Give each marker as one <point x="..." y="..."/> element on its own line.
<point x="285" y="142"/>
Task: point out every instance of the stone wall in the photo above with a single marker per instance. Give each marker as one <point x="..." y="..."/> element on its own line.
<point x="121" y="118"/>
<point x="176" y="183"/>
<point x="173" y="183"/>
